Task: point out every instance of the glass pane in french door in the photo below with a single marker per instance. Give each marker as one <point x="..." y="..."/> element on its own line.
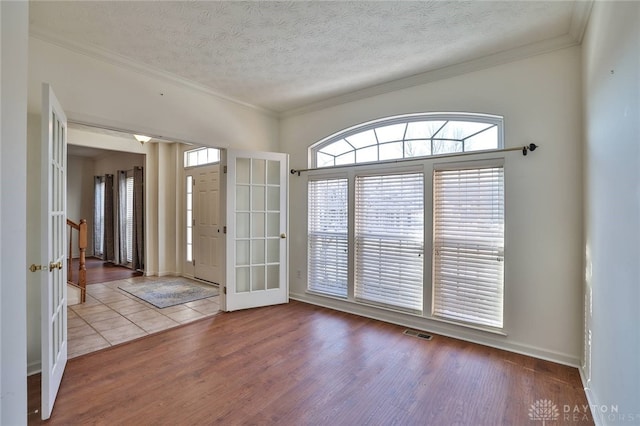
<point x="257" y="217"/>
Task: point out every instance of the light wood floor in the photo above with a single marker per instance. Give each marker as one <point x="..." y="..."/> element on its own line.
<point x="299" y="364"/>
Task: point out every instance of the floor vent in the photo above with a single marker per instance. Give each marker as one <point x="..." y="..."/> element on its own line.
<point x="418" y="334"/>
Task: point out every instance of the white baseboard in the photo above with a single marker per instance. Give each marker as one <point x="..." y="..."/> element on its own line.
<point x="438" y="327"/>
<point x="73" y="295"/>
<point x="34" y="368"/>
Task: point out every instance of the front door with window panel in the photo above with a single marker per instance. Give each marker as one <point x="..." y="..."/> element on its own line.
<point x="257" y="250"/>
<point x="208" y="231"/>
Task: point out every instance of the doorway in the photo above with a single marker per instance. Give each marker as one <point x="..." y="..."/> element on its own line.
<point x="204" y="231"/>
<point x="207" y="230"/>
<point x="111" y="315"/>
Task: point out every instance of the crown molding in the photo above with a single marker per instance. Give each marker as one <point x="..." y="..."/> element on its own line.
<point x="86" y="120"/>
<point x="580" y="18"/>
<point x="143" y="69"/>
<point x="478" y="64"/>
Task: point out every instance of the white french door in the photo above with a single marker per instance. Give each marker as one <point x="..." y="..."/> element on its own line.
<point x="257" y="218"/>
<point x="54" y="271"/>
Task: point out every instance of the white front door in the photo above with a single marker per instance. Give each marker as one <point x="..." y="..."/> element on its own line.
<point x="54" y="275"/>
<point x="208" y="230"/>
<point x="257" y="219"/>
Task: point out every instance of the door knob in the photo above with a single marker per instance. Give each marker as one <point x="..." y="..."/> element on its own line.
<point x="35" y="267"/>
<point x="283" y="235"/>
<point x="56" y="265"/>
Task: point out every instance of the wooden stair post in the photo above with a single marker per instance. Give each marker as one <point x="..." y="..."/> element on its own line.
<point x="82" y="249"/>
<point x="82" y="267"/>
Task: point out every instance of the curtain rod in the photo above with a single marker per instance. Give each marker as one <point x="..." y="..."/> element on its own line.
<point x="524" y="150"/>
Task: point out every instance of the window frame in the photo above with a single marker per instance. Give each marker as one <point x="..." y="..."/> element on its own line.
<point x="189" y="224"/>
<point x="427" y="165"/>
<point x="412" y="165"/>
<point x="493" y="120"/>
<point x="125" y="216"/>
<point x="385" y="172"/>
<point x="98" y="216"/>
<point x="319" y="178"/>
<point x="207" y="150"/>
<point x="459" y="166"/>
<point x="129" y="218"/>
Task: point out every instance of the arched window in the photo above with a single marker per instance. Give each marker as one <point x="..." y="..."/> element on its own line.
<point x="409" y="136"/>
<point x="368" y="228"/>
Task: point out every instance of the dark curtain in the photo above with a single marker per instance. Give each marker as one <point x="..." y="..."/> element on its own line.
<point x="108" y="235"/>
<point x="138" y="219"/>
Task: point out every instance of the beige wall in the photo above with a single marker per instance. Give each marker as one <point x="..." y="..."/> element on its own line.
<point x="111" y="162"/>
<point x="165" y="194"/>
<point x="80" y="173"/>
<point x="611" y="69"/>
<point x="34" y="241"/>
<point x="540" y="99"/>
<point x="14" y="32"/>
<point x="94" y="91"/>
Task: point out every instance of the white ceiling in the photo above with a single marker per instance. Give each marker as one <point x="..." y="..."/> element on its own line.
<point x="285" y="55"/>
<point x="92" y="152"/>
<point x="85" y="151"/>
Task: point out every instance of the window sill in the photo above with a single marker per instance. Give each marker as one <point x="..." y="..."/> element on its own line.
<point x="495" y="331"/>
<point x="492" y="330"/>
<point x="328" y="296"/>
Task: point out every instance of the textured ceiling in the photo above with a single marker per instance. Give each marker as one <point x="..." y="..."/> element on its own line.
<point x="284" y="55"/>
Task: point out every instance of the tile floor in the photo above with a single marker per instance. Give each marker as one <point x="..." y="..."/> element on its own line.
<point x="111" y="316"/>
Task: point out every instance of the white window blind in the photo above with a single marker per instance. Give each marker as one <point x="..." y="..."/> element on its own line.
<point x="129" y="221"/>
<point x="328" y="236"/>
<point x="468" y="257"/>
<point x="389" y="240"/>
<point x="98" y="217"/>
